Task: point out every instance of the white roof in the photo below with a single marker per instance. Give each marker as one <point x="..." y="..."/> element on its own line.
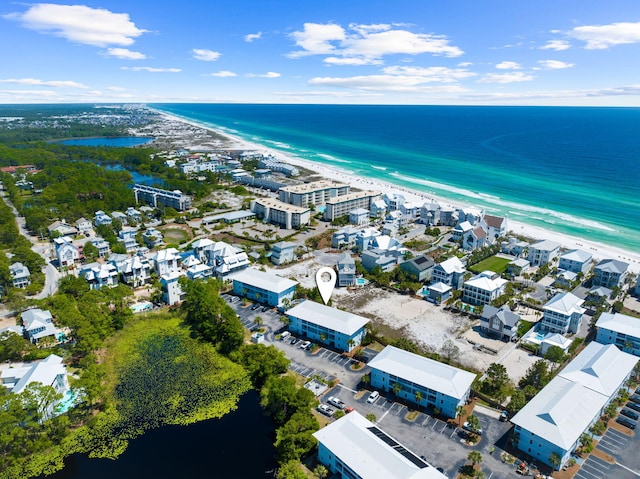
<point x="566" y="406"/>
<point x="464" y="226"/>
<point x="201" y="243"/>
<point x="520" y="263"/>
<point x="561" y="412"/>
<point x="577" y="255"/>
<point x="440" y="287"/>
<point x="620" y="323"/>
<point x="612" y="266"/>
<point x="328" y="317"/>
<point x="484" y="282"/>
<point x="426" y="372"/>
<point x="452" y="265"/>
<point x="565" y="303"/>
<point x="266" y="281"/>
<point x="43" y="372"/>
<point x="600" y="367"/>
<point x="354" y="440"/>
<point x="545" y="245"/>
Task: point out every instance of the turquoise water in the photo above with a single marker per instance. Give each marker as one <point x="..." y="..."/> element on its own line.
<point x="570" y="170"/>
<point x="69" y="400"/>
<point x="122" y="142"/>
<point x="361" y="281"/>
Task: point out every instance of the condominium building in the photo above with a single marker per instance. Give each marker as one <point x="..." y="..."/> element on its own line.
<point x="342" y="205"/>
<point x="314" y="193"/>
<point x="158" y="197"/>
<point x="262" y="287"/>
<point x="280" y="213"/>
<point x="621" y="330"/>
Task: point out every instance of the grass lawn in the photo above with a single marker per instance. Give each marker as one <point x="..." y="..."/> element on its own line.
<point x="494" y="263"/>
<point x="175" y="235"/>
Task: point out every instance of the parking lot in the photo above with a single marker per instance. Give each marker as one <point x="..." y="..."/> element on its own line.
<point x="623" y="448"/>
<point x="438" y="442"/>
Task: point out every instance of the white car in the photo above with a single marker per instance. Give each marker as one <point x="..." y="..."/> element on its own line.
<point x="326" y="410"/>
<point x="334" y="401"/>
<point x="466" y="426"/>
<point x="304" y="344"/>
<point x="373" y="396"/>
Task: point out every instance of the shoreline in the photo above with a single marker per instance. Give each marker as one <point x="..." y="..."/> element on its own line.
<point x="600" y="251"/>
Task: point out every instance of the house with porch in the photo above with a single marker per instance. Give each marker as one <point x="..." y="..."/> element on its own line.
<point x="450" y="272"/>
<point x="576" y="261"/>
<point x="99" y="275"/>
<point x="419" y="267"/>
<point x="282" y="252"/>
<point x="621" y="330"/>
<point x="20" y="275"/>
<point x="483" y="288"/>
<point x="66" y="252"/>
<point x="562" y="314"/>
<point x="38" y="324"/>
<point x="346" y="270"/>
<point x="610" y="273"/>
<point x="500" y="322"/>
<point x="543" y="252"/>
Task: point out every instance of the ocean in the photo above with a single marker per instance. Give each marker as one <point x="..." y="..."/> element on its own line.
<point x="572" y="170"/>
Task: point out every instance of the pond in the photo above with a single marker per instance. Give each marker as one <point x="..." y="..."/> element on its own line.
<point x="138" y="178"/>
<point x="237" y="445"/>
<point x="121" y="141"/>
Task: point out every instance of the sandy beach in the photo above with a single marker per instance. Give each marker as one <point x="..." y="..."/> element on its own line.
<point x="599" y="251"/>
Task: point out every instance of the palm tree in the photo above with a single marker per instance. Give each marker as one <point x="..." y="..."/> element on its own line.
<point x="258" y="321"/>
<point x="474" y="423"/>
<point x="555" y="460"/>
<point x="461" y="412"/>
<point x="397" y="388"/>
<point x="480" y="475"/>
<point x="418" y="397"/>
<point x="321" y="471"/>
<point x="475" y="457"/>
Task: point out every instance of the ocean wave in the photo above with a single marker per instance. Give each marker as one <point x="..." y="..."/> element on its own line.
<point x="279" y="144"/>
<point x="383" y="168"/>
<point x="332" y="158"/>
<point x="511" y="204"/>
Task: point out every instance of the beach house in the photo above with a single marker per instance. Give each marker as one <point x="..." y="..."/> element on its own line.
<point x="323" y="324"/>
<point x="483" y="288"/>
<point x="61" y="228"/>
<point x="354" y="448"/>
<point x="345" y="237"/>
<point x="543" y="252"/>
<point x="66" y="252"/>
<point x="496" y="226"/>
<point x="83" y="225"/>
<point x="375" y="257"/>
<point x="20" y="275"/>
<point x="346" y="270"/>
<point x="166" y="261"/>
<point x="171" y="290"/>
<point x="549" y="427"/>
<point x="38" y="324"/>
<point x="610" y="273"/>
<point x="222" y="257"/>
<point x="576" y="261"/>
<point x="499" y="322"/>
<point x="101" y="218"/>
<point x="450" y="272"/>
<point x="99" y="275"/>
<point x="152" y="237"/>
<point x="134" y="271"/>
<point x="562" y="314"/>
<point x="262" y="287"/>
<point x="282" y="252"/>
<point x="359" y="217"/>
<point x="439" y="385"/>
<point x="102" y="246"/>
<point x="621" y="330"/>
<point x="420" y="268"/>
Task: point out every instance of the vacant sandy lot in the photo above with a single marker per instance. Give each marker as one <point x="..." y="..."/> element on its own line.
<point x="426" y="324"/>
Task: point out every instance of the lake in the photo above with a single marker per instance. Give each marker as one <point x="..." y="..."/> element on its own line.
<point x="121" y="142"/>
<point x="239" y="444"/>
<point x="138" y="178"/>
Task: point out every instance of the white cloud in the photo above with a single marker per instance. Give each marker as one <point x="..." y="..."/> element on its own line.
<point x="554" y="64"/>
<point x="223" y="74"/>
<point x="599" y="37"/>
<point x="28" y="94"/>
<point x="79" y="23"/>
<point x="430" y="74"/>
<point x="351" y="61"/>
<point x="510" y="77"/>
<point x="152" y="69"/>
<point x="266" y="75"/>
<point x="508" y="66"/>
<point x="315" y="39"/>
<point x="205" y="55"/>
<point x="125" y="53"/>
<point x="557" y="45"/>
<point x="115" y="88"/>
<point x="367" y="43"/>
<point x="252" y="36"/>
<point x="465" y="64"/>
<point x="390" y="83"/>
<point x="51" y="83"/>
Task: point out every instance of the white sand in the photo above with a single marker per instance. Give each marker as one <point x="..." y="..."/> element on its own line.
<point x="599" y="251"/>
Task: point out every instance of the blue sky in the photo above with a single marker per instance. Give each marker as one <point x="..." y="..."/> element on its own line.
<point x="503" y="52"/>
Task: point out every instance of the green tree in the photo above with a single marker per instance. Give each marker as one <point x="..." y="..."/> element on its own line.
<point x="290" y="470"/>
<point x="496" y="378"/>
<point x="261" y="362"/>
<point x="475" y="457"/>
<point x="555" y="460"/>
<point x="396" y="388"/>
<point x="295" y="438"/>
<point x="517" y="402"/>
<point x="418" y="397"/>
<point x="371" y="417"/>
<point x="537" y="375"/>
<point x="321" y="472"/>
<point x="13" y="347"/>
<point x="555" y="354"/>
<point x="281" y="398"/>
<point x="90" y="251"/>
<point x="461" y="413"/>
<point x="474" y="423"/>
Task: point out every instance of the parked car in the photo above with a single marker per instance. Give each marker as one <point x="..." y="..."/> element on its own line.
<point x="334" y="401"/>
<point x="326" y="410"/>
<point x="635" y="398"/>
<point x="373" y="396"/>
<point x="467" y="427"/>
<point x="633" y="405"/>
<point x="294" y="340"/>
<point x="626" y="422"/>
<point x="304" y="344"/>
<point x="265" y="309"/>
<point x="629" y="413"/>
<point x="504" y="416"/>
<point x="284" y="335"/>
<point x="255" y="306"/>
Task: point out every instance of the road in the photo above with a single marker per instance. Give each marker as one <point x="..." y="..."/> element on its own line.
<point x="42" y="248"/>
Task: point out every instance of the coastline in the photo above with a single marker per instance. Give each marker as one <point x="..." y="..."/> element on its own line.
<point x="600" y="251"/>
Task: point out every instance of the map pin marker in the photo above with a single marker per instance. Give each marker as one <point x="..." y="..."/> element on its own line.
<point x="326" y="281"/>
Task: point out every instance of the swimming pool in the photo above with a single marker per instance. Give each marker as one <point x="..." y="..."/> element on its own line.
<point x="361" y="282"/>
<point x="69" y="400"/>
<point x="141" y="307"/>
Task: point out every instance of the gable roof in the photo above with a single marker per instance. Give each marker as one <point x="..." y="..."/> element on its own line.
<point x="612" y="266"/>
<point x="494" y="221"/>
<point x="504" y="314"/>
<point x="577" y="255"/>
<point x="620" y="323"/>
<point x="452" y="265"/>
<point x="565" y="303"/>
<point x="421" y="263"/>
